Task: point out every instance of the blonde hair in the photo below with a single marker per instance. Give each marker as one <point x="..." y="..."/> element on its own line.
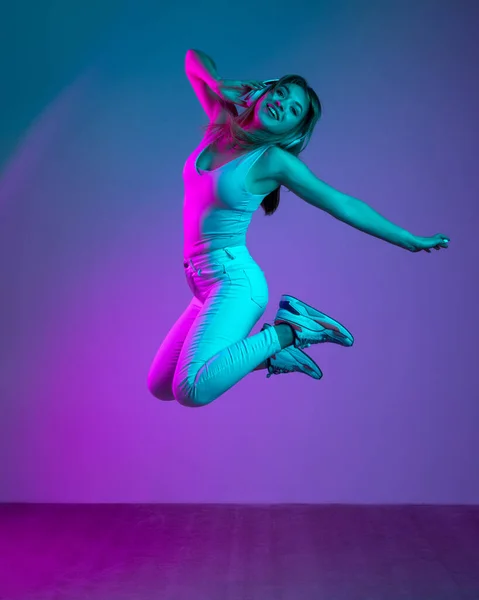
<point x="232" y="132"/>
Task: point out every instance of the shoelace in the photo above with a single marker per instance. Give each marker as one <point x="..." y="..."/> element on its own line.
<point x="277" y="371"/>
<point x="303" y="345"/>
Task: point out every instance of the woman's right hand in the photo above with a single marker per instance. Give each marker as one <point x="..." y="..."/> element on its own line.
<point x="233" y="90"/>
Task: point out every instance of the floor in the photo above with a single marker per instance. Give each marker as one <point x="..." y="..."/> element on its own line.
<point x="238" y="552"/>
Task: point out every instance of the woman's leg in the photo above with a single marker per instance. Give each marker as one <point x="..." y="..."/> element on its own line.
<point x="162" y="370"/>
<point x="286" y="338"/>
<point x="217" y="353"/>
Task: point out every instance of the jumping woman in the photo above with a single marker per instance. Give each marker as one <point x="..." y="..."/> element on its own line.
<point x="241" y="163"/>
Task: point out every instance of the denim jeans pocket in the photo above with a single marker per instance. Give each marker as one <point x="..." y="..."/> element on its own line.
<point x="258" y="286"/>
<point x="202" y="279"/>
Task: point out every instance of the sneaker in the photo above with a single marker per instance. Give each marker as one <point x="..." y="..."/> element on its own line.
<point x="290" y="360"/>
<point x="310" y="326"/>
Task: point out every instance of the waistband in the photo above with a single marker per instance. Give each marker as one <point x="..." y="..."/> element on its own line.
<point x="218" y="255"/>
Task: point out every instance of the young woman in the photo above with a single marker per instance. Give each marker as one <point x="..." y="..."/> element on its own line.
<point x="241" y="164"/>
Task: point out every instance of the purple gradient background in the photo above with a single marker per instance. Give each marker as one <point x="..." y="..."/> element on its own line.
<point x="95" y="137"/>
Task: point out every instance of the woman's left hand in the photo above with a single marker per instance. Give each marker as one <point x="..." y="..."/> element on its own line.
<point x="437" y="242"/>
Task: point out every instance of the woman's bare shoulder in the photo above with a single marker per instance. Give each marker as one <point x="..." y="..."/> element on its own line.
<point x="274" y="162"/>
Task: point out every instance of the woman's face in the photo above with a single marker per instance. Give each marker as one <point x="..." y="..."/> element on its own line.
<point x="282" y="109"/>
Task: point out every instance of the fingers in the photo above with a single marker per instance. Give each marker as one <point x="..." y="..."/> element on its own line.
<point x="257" y="85"/>
<point x="252" y="84"/>
<point x="444" y="239"/>
<point x="437" y="242"/>
<point x="437" y="247"/>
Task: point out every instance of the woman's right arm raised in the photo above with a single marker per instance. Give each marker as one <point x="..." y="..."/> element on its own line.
<point x="201" y="72"/>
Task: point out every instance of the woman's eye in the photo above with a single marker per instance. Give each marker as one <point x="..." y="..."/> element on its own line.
<point x="295" y="112"/>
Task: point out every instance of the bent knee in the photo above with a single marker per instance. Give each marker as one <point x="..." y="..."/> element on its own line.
<point x="189" y="398"/>
<point x="187" y="394"/>
<point x="160" y="390"/>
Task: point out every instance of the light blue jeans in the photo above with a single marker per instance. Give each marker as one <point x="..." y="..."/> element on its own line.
<point x="207" y="350"/>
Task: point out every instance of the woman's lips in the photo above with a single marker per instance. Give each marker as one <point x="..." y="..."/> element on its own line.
<point x="275" y="116"/>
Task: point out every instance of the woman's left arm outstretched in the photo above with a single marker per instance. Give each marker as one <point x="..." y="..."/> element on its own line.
<point x="290" y="171"/>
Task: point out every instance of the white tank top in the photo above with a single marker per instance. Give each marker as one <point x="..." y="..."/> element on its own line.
<point x="217" y="209"/>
